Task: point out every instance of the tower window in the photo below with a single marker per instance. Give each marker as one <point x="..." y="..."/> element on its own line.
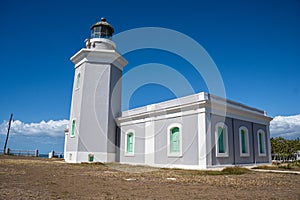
<point x="244" y="141"/>
<point x="78" y="81"/>
<point x="221" y="135"/>
<point x="175" y="140"/>
<point x="73" y="128"/>
<point x="261" y="143"/>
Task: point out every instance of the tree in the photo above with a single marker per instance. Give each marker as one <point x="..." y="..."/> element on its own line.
<point x="284" y="147"/>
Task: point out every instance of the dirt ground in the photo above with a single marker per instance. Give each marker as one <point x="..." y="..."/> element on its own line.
<point x="36" y="178"/>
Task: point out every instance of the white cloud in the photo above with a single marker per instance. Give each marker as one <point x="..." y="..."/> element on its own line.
<point x="285" y="126"/>
<point x="281" y="126"/>
<point x="51" y="128"/>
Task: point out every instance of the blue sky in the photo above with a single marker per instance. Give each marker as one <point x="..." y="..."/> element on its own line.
<point x="255" y="45"/>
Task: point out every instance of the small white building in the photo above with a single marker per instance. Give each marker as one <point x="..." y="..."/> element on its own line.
<point x="197" y="132"/>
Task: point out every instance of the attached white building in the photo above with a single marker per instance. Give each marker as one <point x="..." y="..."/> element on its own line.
<point x="197" y="132"/>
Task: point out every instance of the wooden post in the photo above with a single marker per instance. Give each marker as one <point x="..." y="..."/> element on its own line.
<point x="7" y="151"/>
<point x="10" y="119"/>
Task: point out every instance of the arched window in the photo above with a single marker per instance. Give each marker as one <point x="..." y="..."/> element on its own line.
<point x="244" y="141"/>
<point x="175" y="140"/>
<point x="78" y="81"/>
<point x="73" y="128"/>
<point x="261" y="143"/>
<point x="221" y="135"/>
<point x="129" y="143"/>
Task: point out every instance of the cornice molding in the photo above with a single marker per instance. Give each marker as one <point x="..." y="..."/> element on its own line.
<point x="194" y="104"/>
<point x="100" y="56"/>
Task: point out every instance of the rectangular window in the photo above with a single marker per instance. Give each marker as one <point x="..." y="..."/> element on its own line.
<point x="129" y="143"/>
<point x="261" y="143"/>
<point x="243" y="138"/>
<point x="244" y="141"/>
<point x="261" y="149"/>
<point x="78" y="81"/>
<point x="221" y="143"/>
<point x="221" y="140"/>
<point x="174" y="140"/>
<point x="73" y="128"/>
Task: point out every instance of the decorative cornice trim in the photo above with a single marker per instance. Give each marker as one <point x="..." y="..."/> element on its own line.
<point x="101" y="56"/>
<point x="194" y="104"/>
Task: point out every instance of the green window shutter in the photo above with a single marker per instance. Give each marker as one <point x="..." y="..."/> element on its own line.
<point x="78" y="81"/>
<point x="261" y="145"/>
<point x="243" y="141"/>
<point x="174" y="140"/>
<point x="129" y="142"/>
<point x="73" y="128"/>
<point x="221" y="144"/>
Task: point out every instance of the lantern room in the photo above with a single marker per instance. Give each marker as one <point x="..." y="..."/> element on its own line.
<point x="102" y="29"/>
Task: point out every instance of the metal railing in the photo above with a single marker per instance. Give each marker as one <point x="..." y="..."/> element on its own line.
<point x="33" y="153"/>
<point x="18" y="152"/>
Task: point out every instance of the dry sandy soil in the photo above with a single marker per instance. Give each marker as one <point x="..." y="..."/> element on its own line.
<point x="36" y="178"/>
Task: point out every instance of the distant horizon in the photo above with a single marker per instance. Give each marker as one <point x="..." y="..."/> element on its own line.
<point x="18" y="141"/>
<point x="254" y="45"/>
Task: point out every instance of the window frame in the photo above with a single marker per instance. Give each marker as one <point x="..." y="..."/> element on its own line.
<point x="247" y="142"/>
<point x="225" y="127"/>
<point x="131" y="131"/>
<point x="73" y="129"/>
<point x="264" y="143"/>
<point x="169" y="128"/>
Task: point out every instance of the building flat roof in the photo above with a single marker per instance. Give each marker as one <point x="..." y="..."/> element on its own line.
<point x="203" y="100"/>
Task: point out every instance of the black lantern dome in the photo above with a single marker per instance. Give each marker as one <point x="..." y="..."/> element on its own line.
<point x="102" y="29"/>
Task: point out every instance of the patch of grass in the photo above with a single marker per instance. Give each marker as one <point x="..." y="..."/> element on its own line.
<point x="64" y="194"/>
<point x="214" y="173"/>
<point x="131" y="168"/>
<point x="235" y="170"/>
<point x="225" y="171"/>
<point x="281" y="166"/>
<point x="288" y="166"/>
<point x="264" y="167"/>
<point x="297" y="163"/>
<point x="196" y="172"/>
<point x="92" y="163"/>
<point x="50" y="182"/>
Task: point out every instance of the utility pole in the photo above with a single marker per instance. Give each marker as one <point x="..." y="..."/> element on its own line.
<point x="9" y="123"/>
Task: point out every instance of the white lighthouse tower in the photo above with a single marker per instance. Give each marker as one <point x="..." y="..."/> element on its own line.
<point x="96" y="99"/>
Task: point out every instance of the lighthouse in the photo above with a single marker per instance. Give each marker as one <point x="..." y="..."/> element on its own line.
<point x="188" y="132"/>
<point x="96" y="98"/>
